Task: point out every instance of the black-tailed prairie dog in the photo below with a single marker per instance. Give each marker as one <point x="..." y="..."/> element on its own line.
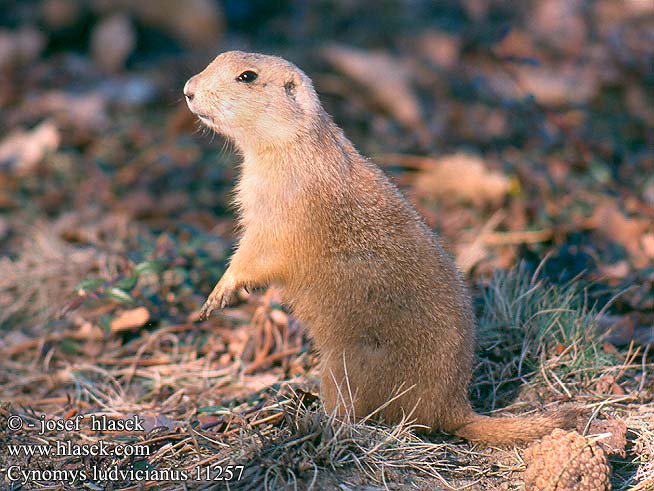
<point x="383" y="302"/>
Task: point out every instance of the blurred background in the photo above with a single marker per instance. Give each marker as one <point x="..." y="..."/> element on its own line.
<point x="522" y="131"/>
<point x="519" y="131"/>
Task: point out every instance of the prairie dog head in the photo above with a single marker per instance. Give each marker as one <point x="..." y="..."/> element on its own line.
<point x="253" y="99"/>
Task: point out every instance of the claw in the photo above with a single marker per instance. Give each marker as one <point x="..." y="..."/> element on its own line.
<point x="206" y="310"/>
<point x="215" y="300"/>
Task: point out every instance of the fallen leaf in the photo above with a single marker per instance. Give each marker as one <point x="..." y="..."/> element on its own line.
<point x="476" y="9"/>
<point x="441" y="48"/>
<point x="130" y="319"/>
<point x="610" y="221"/>
<point x="558" y="85"/>
<point x="616" y="441"/>
<point x="22" y="151"/>
<point x="20" y="47"/>
<point x="481" y="123"/>
<point x="462" y="176"/>
<point x="616" y="330"/>
<point x="197" y="23"/>
<point x="151" y="421"/>
<point x="112" y="41"/>
<point x="609" y="348"/>
<point x="551" y="84"/>
<point x="560" y="23"/>
<point x="618" y="270"/>
<point x="210" y="420"/>
<point x="260" y="381"/>
<point x="279" y="317"/>
<point x="647" y="243"/>
<point x="59" y="14"/>
<point x="86" y="331"/>
<point x="471" y="253"/>
<point x="388" y="80"/>
<point x="517" y="44"/>
<point x="82" y="112"/>
<point x="607" y="384"/>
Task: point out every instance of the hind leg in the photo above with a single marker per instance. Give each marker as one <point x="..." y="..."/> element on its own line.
<point x="361" y="385"/>
<point x="344" y="391"/>
<point x="338" y="394"/>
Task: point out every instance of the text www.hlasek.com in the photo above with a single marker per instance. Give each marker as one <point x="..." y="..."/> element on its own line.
<point x="62" y="449"/>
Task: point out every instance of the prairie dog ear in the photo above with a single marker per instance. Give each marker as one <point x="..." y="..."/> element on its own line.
<point x="299" y="88"/>
<point x="290" y="86"/>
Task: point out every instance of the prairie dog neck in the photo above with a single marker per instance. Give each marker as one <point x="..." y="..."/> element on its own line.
<point x="283" y="173"/>
<point x="317" y="134"/>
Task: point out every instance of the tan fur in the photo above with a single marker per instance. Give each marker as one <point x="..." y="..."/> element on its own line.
<point x="382" y="300"/>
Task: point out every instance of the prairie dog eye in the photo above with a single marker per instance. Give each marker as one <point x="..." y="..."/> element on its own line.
<point x="247" y="76"/>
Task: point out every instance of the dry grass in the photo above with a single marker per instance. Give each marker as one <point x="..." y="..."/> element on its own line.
<point x="39" y="281"/>
<point x="35" y="283"/>
<point x="640" y="421"/>
<point x="283" y="441"/>
<point x="241" y="389"/>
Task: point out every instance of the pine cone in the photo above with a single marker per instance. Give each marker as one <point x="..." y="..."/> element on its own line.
<point x="566" y="461"/>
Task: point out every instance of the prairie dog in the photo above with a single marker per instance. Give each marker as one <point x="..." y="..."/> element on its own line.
<point x="383" y="302"/>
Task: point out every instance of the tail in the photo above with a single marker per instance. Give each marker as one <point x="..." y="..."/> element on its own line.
<point x="510" y="430"/>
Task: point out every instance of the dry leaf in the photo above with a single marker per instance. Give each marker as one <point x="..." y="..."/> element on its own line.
<point x="639" y="7"/>
<point x="481" y="123"/>
<point x="625" y="329"/>
<point x="279" y="317"/>
<point x="469" y="254"/>
<point x="517" y="43"/>
<point x="86" y="331"/>
<point x="20" y="47"/>
<point x="616" y="441"/>
<point x="82" y="112"/>
<point x="549" y="84"/>
<point x="260" y="381"/>
<point x="647" y="243"/>
<point x="462" y="176"/>
<point x="476" y="9"/>
<point x="151" y="421"/>
<point x="197" y="23"/>
<point x="560" y="23"/>
<point x="611" y="222"/>
<point x="607" y="384"/>
<point x="618" y="270"/>
<point x="112" y="41"/>
<point x="387" y="79"/>
<point x="441" y="48"/>
<point x="59" y="14"/>
<point x="130" y="319"/>
<point x="22" y="150"/>
<point x="559" y="85"/>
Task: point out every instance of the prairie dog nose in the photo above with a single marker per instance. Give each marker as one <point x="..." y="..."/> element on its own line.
<point x="189" y="89"/>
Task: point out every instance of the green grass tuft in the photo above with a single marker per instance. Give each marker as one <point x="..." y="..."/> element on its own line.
<point x="534" y="332"/>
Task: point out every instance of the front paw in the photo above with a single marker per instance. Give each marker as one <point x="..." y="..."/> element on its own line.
<point x="219" y="299"/>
